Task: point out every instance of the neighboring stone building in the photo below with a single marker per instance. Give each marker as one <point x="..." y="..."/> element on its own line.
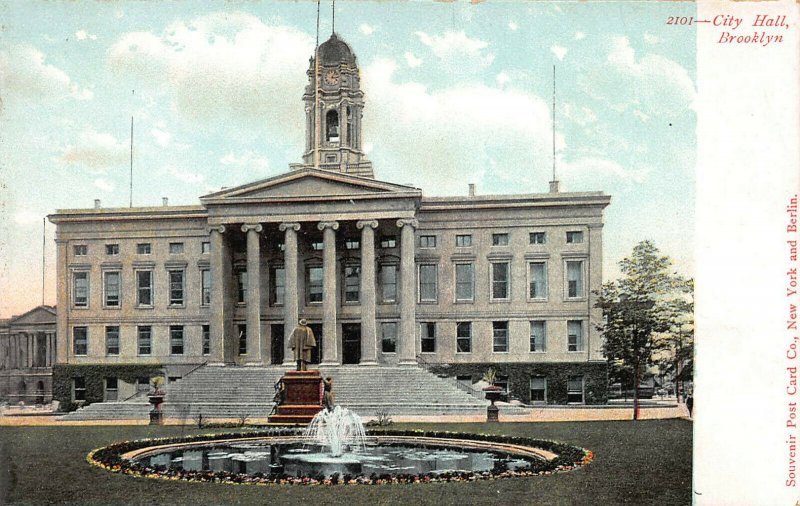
<point x="383" y="274"/>
<point x="27" y="351"/>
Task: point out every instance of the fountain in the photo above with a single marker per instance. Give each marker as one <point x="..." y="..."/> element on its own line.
<point x="337" y="429"/>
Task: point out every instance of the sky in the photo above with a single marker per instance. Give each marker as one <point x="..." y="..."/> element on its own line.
<point x="455" y="93"/>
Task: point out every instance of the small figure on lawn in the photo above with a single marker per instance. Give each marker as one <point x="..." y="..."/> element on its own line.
<point x="302" y="343"/>
<point x="328" y="397"/>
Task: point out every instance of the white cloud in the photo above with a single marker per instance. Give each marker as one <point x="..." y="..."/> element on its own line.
<point x="23" y="71"/>
<point x="223" y="65"/>
<point x="246" y="160"/>
<point x="184" y="175"/>
<point x="162" y="137"/>
<point x="26" y="217"/>
<point x="513" y="26"/>
<point x="650" y="38"/>
<point x="412" y="60"/>
<point x="559" y="51"/>
<point x="502" y="78"/>
<point x="592" y="173"/>
<point x="83" y="35"/>
<point x="454" y="45"/>
<point x="642" y="116"/>
<point x="366" y="29"/>
<point x="104" y="184"/>
<point x="95" y="151"/>
<point x="580" y="115"/>
<point x="580" y="35"/>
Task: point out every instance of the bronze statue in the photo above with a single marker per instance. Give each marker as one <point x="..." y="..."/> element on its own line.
<point x="328" y="397"/>
<point x="302" y="343"/>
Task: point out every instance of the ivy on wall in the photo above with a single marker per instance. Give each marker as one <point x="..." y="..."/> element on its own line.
<point x="94" y="376"/>
<point x="595" y="378"/>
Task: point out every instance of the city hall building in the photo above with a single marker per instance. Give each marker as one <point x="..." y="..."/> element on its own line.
<point x="384" y="274"/>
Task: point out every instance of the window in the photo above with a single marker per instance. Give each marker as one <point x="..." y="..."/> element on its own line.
<point x="143" y="248"/>
<point x="575" y="389"/>
<point x="110" y="393"/>
<point x="279" y="246"/>
<point x="352" y="283"/>
<point x="388" y="282"/>
<point x="314" y="284"/>
<point x="205" y="287"/>
<point x="241" y="287"/>
<point x="205" y="248"/>
<point x="537" y="237"/>
<point x="317" y="245"/>
<point x="500" y="337"/>
<point x="111" y="288"/>
<point x="428" y="337"/>
<point x="144" y="288"/>
<point x="112" y="340"/>
<point x="574" y="335"/>
<point x="500" y="281"/>
<point x="332" y="126"/>
<point x="80" y="340"/>
<point x="175" y="288"/>
<point x="277" y="286"/>
<point x="112" y="249"/>
<point x="176" y="339"/>
<point x="463" y="337"/>
<point x="574" y="237"/>
<point x="538" y="390"/>
<point x="427" y="283"/>
<point x="142" y="385"/>
<point x="80" y="250"/>
<point x="80" y="289"/>
<point x="537" y="280"/>
<point x="242" y="329"/>
<point x="352" y="244"/>
<point x="79" y="389"/>
<point x="388" y="337"/>
<point x="144" y="339"/>
<point x="206" y="339"/>
<point x="499" y="239"/>
<point x="465" y="282"/>
<point x="463" y="241"/>
<point x="427" y="241"/>
<point x="176" y="248"/>
<point x="389" y="241"/>
<point x="538" y="336"/>
<point x="575" y="279"/>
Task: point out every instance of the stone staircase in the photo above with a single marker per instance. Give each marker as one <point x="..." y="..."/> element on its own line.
<point x="234" y="392"/>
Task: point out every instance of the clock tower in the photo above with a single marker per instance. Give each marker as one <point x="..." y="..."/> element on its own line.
<point x="333" y="104"/>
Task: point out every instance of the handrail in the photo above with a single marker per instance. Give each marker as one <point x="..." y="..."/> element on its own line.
<point x="478" y="394"/>
<point x="142" y="393"/>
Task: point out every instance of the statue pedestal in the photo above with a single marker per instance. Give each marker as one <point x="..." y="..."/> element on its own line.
<point x="302" y="397"/>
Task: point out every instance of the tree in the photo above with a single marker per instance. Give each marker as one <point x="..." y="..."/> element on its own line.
<point x="638" y="309"/>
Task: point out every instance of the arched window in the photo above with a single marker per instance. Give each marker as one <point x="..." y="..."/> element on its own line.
<point x="332" y="126"/>
<point x="350" y="127"/>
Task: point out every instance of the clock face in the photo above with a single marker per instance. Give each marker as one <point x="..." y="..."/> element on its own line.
<point x="331" y="77"/>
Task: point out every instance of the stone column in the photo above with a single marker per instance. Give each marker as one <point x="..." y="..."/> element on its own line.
<point x="290" y="303"/>
<point x="330" y="350"/>
<point x="62" y="301"/>
<point x="406" y="336"/>
<point x="217" y="312"/>
<point x="254" y="352"/>
<point x="369" y="337"/>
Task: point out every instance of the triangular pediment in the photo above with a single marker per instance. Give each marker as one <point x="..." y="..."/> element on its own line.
<point x="309" y="183"/>
<point x="36" y="316"/>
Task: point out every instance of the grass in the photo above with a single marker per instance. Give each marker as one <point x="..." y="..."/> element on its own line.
<point x="641" y="463"/>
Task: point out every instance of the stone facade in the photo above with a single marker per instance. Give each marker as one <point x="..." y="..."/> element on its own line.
<point x="383" y="274"/>
<point x="27" y="353"/>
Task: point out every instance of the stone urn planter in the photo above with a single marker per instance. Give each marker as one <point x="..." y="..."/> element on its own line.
<point x="156" y="398"/>
<point x="492" y="394"/>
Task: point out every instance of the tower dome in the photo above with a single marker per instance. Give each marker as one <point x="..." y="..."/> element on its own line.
<point x="335" y="50"/>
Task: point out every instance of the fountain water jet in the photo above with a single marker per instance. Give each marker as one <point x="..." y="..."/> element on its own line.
<point x="337" y="429"/>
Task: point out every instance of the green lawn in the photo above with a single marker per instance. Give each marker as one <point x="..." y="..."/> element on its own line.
<point x="646" y="462"/>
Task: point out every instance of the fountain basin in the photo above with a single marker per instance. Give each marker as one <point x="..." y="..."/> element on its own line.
<point x="388" y="457"/>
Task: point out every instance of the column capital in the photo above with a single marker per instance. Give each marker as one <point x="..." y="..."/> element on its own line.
<point x="412" y="222"/>
<point x="219" y="228"/>
<point x="283" y="227"/>
<point x="252" y="226"/>
<point x="366" y="223"/>
<point x="322" y="225"/>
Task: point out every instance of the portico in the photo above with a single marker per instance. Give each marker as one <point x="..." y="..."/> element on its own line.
<point x="297" y="262"/>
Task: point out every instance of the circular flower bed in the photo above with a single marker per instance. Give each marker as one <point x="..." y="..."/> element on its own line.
<point x="111" y="458"/>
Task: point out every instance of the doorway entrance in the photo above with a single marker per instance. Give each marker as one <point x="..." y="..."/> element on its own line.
<point x="351" y="343"/>
<point x="316" y="353"/>
<point x="277" y="344"/>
